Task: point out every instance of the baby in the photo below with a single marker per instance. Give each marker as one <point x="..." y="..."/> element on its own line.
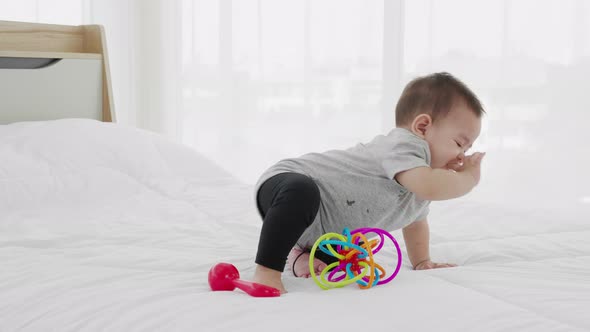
<point x="386" y="183"/>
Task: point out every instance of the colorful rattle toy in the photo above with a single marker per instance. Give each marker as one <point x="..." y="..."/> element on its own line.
<point x="355" y="255"/>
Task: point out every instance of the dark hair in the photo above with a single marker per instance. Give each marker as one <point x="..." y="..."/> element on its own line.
<point x="434" y="95"/>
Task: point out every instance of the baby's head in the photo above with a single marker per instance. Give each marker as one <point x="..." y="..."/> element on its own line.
<point x="445" y="112"/>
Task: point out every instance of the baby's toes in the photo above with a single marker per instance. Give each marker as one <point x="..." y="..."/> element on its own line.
<point x="319" y="267"/>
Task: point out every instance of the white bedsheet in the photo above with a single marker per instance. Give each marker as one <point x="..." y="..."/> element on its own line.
<point x="104" y="227"/>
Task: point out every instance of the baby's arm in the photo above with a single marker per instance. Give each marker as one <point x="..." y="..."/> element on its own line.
<point x="435" y="184"/>
<point x="417" y="238"/>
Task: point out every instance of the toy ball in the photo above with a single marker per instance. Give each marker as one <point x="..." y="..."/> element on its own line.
<point x="355" y="254"/>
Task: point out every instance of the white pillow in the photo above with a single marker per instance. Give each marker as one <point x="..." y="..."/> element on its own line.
<point x="39" y="148"/>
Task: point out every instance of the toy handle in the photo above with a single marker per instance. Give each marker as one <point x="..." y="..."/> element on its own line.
<point x="256" y="289"/>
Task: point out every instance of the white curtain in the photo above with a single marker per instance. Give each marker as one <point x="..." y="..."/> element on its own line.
<point x="248" y="82"/>
<point x="265" y="79"/>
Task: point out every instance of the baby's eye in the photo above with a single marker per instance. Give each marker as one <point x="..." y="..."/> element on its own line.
<point x="458" y="144"/>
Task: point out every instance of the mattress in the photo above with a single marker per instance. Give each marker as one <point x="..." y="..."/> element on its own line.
<point x="104" y="227"/>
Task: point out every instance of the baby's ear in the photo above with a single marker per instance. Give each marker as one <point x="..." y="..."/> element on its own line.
<point x="421" y="124"/>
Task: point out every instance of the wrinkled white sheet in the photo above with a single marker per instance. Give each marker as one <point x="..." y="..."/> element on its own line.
<point x="105" y="227"/>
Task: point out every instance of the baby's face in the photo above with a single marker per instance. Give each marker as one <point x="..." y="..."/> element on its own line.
<point x="449" y="138"/>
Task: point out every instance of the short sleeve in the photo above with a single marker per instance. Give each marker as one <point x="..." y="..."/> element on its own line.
<point x="407" y="152"/>
<point x="424" y="213"/>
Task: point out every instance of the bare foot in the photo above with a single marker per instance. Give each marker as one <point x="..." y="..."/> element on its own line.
<point x="301" y="259"/>
<point x="264" y="275"/>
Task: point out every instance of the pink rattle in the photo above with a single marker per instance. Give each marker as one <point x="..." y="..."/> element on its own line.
<point x="225" y="277"/>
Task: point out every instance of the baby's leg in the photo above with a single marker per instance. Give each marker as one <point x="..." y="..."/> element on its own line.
<point x="289" y="203"/>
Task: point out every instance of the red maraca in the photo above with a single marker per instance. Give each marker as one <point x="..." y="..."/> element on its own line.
<point x="225" y="277"/>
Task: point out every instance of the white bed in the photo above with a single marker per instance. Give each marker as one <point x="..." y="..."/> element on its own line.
<point x="105" y="227"/>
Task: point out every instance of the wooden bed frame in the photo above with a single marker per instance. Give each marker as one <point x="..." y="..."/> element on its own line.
<point x="49" y="41"/>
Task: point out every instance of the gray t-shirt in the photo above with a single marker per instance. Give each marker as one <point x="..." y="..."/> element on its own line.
<point x="357" y="185"/>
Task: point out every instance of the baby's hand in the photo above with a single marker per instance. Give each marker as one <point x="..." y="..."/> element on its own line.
<point x="472" y="165"/>
<point x="428" y="264"/>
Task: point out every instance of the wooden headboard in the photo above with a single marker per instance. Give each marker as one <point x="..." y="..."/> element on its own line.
<point x="65" y="48"/>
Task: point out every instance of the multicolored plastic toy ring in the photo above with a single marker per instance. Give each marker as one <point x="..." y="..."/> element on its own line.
<point x="355" y="254"/>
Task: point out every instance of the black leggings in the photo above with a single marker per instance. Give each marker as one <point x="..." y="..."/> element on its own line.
<point x="289" y="203"/>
